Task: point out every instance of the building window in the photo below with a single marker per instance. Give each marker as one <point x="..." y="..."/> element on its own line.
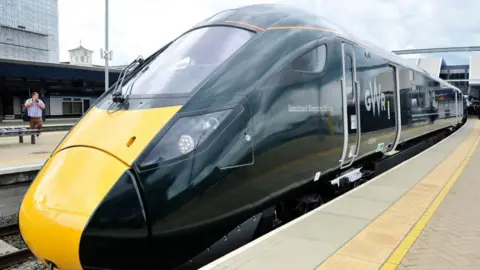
<point x="72" y="107"/>
<point x="83" y="59"/>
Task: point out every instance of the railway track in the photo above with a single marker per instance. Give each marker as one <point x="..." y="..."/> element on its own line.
<point x="12" y="177"/>
<point x="13" y="252"/>
<point x="14" y="257"/>
<point x="9" y="229"/>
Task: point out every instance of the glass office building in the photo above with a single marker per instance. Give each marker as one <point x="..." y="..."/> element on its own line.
<point x="29" y="30"/>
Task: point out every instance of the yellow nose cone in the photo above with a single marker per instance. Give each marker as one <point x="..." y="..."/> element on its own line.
<point x="60" y="201"/>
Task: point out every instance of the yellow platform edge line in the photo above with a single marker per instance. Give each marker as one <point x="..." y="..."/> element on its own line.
<point x="402" y="249"/>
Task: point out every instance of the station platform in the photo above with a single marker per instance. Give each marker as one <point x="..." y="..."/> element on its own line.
<point x="419" y="215"/>
<point x="16" y="155"/>
<point x="17" y="158"/>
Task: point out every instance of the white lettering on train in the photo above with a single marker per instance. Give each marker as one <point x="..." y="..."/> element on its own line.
<point x="374" y="98"/>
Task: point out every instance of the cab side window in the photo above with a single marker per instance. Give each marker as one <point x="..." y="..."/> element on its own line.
<point x="312" y="61"/>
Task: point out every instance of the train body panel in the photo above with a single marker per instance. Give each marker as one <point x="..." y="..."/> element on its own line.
<point x="56" y="210"/>
<point x="268" y="100"/>
<point x="105" y="130"/>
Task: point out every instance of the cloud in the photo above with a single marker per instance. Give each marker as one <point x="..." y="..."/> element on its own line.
<point x="141" y="27"/>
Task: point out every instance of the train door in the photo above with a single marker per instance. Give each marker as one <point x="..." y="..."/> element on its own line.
<point x="351" y="106"/>
<point x="397" y="109"/>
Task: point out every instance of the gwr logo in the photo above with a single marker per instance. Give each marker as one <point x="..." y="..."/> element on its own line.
<point x="375" y="98"/>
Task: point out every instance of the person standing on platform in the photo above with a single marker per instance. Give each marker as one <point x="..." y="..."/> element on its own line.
<point x="34" y="108"/>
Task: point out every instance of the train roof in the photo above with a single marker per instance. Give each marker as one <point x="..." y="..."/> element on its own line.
<point x="267" y="17"/>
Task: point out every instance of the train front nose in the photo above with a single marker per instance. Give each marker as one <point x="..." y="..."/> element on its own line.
<point x="62" y="200"/>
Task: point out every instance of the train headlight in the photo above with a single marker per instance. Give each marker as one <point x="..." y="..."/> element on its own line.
<point x="185" y="144"/>
<point x="188" y="133"/>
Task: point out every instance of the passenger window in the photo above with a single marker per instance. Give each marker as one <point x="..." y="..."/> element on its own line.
<point x="414" y="103"/>
<point x="312" y="61"/>
<point x="349" y="77"/>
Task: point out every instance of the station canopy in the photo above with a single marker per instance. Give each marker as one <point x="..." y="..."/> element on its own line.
<point x="49" y="72"/>
<point x="431" y="65"/>
<point x="474" y="70"/>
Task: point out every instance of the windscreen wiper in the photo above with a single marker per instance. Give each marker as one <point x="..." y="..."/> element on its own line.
<point x="130" y="88"/>
<point x="117" y="95"/>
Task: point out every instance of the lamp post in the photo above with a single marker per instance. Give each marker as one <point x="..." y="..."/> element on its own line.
<point x="106" y="54"/>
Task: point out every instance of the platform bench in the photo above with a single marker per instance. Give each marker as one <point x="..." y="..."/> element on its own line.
<point x="20" y="132"/>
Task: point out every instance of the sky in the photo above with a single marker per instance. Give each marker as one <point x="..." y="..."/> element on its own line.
<point x="141" y="27"/>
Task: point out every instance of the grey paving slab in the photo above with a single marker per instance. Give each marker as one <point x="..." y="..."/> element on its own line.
<point x="451" y="239"/>
<point x="356" y="207"/>
<point x="304" y="254"/>
<point x="249" y="254"/>
<point x="14" y="154"/>
<point x="308" y="241"/>
<point x="405" y="181"/>
<point x="382" y="193"/>
<point x="327" y="227"/>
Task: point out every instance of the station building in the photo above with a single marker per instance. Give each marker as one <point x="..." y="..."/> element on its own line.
<point x="68" y="89"/>
<point x="29" y="62"/>
<point x="29" y="30"/>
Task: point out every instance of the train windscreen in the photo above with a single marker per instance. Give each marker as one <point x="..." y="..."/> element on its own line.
<point x="187" y="61"/>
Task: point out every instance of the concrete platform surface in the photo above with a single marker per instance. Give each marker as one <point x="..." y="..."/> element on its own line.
<point x="367" y="227"/>
<point x="14" y="154"/>
<point x="451" y="239"/>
